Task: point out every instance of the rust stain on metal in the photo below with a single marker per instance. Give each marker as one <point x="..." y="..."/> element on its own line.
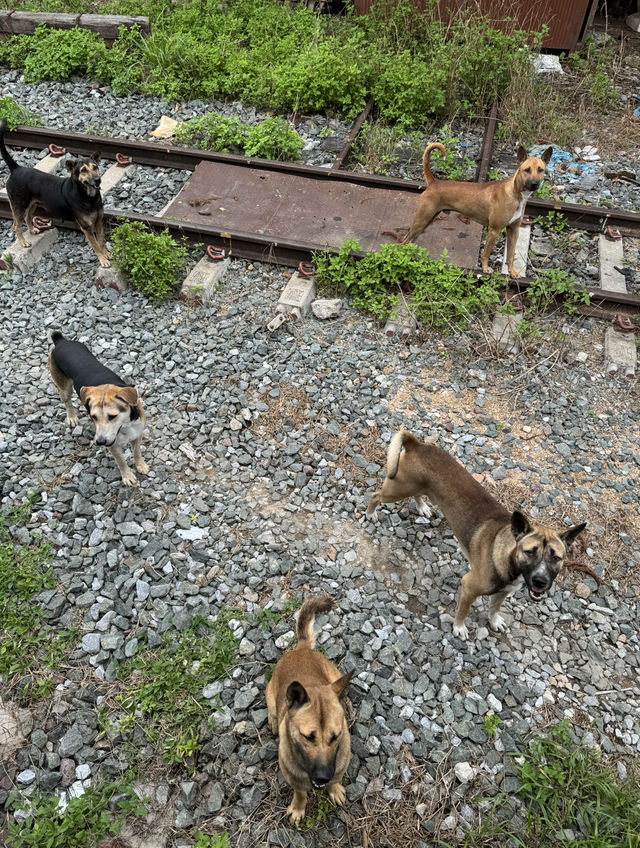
<point x="317" y="211"/>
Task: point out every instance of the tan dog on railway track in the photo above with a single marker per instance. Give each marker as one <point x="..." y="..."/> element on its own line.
<point x="304" y="702"/>
<point x="504" y="549"/>
<point x="495" y="205"/>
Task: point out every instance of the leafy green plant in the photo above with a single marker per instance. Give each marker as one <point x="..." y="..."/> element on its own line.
<point x="85" y="821"/>
<point x="449" y="165"/>
<point x="554" y="284"/>
<point x="17" y="115"/>
<point x="152" y="262"/>
<point x="318" y="817"/>
<point x="29" y="650"/>
<point x="266" y="618"/>
<point x="51" y="54"/>
<point x="567" y="786"/>
<point x="273" y="139"/>
<point x="212" y="132"/>
<point x="441" y="294"/>
<point x="218" y="840"/>
<point x="161" y="688"/>
<point x="544" y="191"/>
<point x="490" y="724"/>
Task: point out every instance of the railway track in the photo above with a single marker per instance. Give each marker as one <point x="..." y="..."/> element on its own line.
<point x="273" y="202"/>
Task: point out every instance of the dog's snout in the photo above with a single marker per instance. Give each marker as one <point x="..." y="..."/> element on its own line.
<point x="539" y="581"/>
<point x="321" y="775"/>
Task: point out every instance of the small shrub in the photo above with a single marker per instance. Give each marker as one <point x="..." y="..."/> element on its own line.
<point x="53" y="54"/>
<point x="273" y="139"/>
<point x="442" y="295"/>
<point x="408" y="88"/>
<point x="152" y="262"/>
<point x="553" y="284"/>
<point x="85" y="821"/>
<point x="212" y="132"/>
<point x="17" y="115"/>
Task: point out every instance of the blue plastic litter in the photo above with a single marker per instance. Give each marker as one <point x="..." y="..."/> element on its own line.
<point x="571" y="170"/>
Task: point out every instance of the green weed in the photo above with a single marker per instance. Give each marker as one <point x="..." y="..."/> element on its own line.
<point x="441" y="294"/>
<point x="85" y="821"/>
<point x="266" y="618"/>
<point x="554" y="284"/>
<point x="273" y="139"/>
<point x="490" y="724"/>
<point x="451" y="166"/>
<point x="218" y="840"/>
<point x="161" y="688"/>
<point x="320" y="815"/>
<point x="212" y="132"/>
<point x="544" y="191"/>
<point x="29" y="649"/>
<point x="152" y="262"/>
<point x="567" y="787"/>
<point x="17" y="115"/>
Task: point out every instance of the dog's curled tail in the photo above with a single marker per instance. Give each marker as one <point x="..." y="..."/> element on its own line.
<point x="308" y="611"/>
<point x="425" y="160"/>
<point x="11" y="162"/>
<point x="55" y="336"/>
<point x="401" y="439"/>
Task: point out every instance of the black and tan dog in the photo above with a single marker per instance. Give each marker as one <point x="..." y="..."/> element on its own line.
<point x="114" y="407"/>
<point x="504" y="549"/>
<point x="73" y="198"/>
<point x="305" y="710"/>
<point x="495" y="205"/>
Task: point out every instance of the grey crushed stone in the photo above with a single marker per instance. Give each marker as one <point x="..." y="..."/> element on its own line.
<point x="275" y="509"/>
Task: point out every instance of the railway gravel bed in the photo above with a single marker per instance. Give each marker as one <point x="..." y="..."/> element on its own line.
<point x="245" y="516"/>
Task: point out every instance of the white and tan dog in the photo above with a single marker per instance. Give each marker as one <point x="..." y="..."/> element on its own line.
<point x="114" y="407"/>
<point x="504" y="548"/>
<point x="495" y="205"/>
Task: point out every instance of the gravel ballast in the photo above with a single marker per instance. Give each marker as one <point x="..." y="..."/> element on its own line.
<point x="263" y="451"/>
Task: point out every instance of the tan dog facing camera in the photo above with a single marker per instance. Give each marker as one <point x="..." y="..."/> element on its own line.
<point x="115" y="408"/>
<point x="504" y="549"/>
<point x="495" y="205"/>
<point x="304" y="701"/>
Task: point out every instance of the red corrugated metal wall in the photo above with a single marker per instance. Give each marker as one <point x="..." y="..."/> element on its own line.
<point x="564" y="18"/>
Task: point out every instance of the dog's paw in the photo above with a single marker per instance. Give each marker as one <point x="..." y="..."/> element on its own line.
<point x="497" y="622"/>
<point x="337" y="793"/>
<point x="104" y="262"/>
<point x="142" y="467"/>
<point x="423" y="508"/>
<point x="72" y="421"/>
<point x="373" y="515"/>
<point x="461" y="631"/>
<point x="296" y="814"/>
<point x="129" y="478"/>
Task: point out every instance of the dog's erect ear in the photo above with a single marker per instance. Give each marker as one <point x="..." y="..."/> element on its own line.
<point x="568" y="537"/>
<point x="546" y="156"/>
<point x="97" y="156"/>
<point x="522" y="155"/>
<point x="70" y="164"/>
<point x="520" y="524"/>
<point x="85" y="397"/>
<point x="339" y="686"/>
<point x="128" y="394"/>
<point x="296" y="695"/>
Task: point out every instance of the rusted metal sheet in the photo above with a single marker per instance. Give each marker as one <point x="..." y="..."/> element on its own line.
<point x="281" y="207"/>
<point x="566" y="19"/>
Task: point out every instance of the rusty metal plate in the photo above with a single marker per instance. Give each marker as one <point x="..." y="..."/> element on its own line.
<point x="315" y="211"/>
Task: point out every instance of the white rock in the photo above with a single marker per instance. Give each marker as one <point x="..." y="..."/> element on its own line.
<point x="324" y="308"/>
<point x="465" y="772"/>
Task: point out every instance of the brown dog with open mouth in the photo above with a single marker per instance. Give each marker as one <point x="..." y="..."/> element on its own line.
<point x="304" y="702"/>
<point x="495" y="205"/>
<point x="504" y="549"/>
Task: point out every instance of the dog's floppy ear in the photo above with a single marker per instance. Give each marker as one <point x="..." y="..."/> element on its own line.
<point x="522" y="155"/>
<point x="568" y="537"/>
<point x="85" y="396"/>
<point x="546" y="156"/>
<point x="296" y="695"/>
<point x="339" y="686"/>
<point x="97" y="156"/>
<point x="128" y="394"/>
<point x="520" y="524"/>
